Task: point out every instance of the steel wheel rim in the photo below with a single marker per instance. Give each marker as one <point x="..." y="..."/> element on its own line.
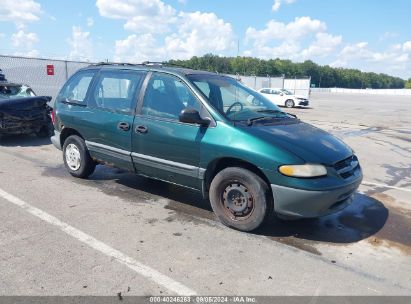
<point x="237" y="201"/>
<point x="73" y="158"/>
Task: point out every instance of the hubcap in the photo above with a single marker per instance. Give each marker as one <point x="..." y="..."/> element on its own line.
<point x="238" y="201"/>
<point x="73" y="158"/>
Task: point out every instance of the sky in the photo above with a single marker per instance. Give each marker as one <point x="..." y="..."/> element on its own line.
<point x="370" y="35"/>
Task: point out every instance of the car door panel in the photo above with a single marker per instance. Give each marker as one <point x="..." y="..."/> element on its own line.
<point x="108" y="124"/>
<point x="163" y="147"/>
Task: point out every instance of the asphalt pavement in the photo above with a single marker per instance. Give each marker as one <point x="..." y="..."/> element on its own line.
<point x="118" y="233"/>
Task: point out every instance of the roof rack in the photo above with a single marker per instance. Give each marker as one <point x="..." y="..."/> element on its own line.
<point x="113" y="63"/>
<point x="145" y="63"/>
<point x="160" y="63"/>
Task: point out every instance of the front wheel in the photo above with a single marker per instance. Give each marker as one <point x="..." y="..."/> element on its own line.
<point x="289" y="103"/>
<point x="240" y="198"/>
<point x="77" y="158"/>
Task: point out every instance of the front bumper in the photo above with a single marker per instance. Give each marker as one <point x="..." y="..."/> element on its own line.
<point x="298" y="203"/>
<point x="303" y="102"/>
<point x="55" y="139"/>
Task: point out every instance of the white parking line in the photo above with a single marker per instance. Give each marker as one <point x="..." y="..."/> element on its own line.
<point x="385" y="186"/>
<point x="131" y="263"/>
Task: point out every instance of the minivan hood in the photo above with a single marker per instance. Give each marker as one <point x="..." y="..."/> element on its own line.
<point x="309" y="143"/>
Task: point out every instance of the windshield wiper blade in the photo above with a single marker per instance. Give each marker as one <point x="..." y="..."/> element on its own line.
<point x="250" y="121"/>
<point x="277" y="111"/>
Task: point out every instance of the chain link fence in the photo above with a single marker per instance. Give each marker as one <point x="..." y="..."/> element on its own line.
<point x="44" y="76"/>
<point x="298" y="86"/>
<point x="47" y="76"/>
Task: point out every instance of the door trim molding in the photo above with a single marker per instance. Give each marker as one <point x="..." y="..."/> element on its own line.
<point x="147" y="160"/>
<point x="168" y="165"/>
<point x="108" y="150"/>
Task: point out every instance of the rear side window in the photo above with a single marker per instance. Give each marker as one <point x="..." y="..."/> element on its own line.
<point x="75" y="90"/>
<point x="116" y="90"/>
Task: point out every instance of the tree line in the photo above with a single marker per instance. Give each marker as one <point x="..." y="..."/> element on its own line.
<point x="321" y="76"/>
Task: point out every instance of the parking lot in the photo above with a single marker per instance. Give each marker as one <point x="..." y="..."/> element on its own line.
<point x="119" y="233"/>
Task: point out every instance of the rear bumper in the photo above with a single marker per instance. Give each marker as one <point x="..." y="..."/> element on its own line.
<point x="298" y="203"/>
<point x="55" y="139"/>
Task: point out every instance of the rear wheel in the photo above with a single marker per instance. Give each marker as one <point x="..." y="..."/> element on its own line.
<point x="76" y="157"/>
<point x="289" y="103"/>
<point x="240" y="198"/>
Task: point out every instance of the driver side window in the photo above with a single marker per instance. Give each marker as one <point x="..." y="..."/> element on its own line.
<point x="166" y="96"/>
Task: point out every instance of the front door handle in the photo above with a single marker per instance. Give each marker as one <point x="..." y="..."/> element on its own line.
<point x="125" y="126"/>
<point x="141" y="129"/>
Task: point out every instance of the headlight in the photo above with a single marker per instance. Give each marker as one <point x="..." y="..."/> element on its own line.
<point x="308" y="170"/>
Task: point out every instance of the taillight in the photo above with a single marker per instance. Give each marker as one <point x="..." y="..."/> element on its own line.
<point x="52" y="116"/>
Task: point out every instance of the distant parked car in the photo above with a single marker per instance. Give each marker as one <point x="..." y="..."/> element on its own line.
<point x="283" y="97"/>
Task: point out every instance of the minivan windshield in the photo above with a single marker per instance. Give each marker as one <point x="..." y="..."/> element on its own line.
<point x="234" y="100"/>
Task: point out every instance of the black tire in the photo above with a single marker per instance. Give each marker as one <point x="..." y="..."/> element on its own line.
<point x="86" y="164"/>
<point x="231" y="183"/>
<point x="289" y="103"/>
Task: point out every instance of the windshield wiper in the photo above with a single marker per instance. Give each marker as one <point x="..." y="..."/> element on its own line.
<point x="250" y="121"/>
<point x="277" y="111"/>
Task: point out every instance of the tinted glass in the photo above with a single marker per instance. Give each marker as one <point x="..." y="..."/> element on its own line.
<point x="231" y="98"/>
<point x="116" y="90"/>
<point x="75" y="90"/>
<point x="15" y="91"/>
<point x="286" y="92"/>
<point x="166" y="96"/>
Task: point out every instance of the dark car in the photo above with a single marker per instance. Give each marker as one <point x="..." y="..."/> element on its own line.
<point x="207" y="132"/>
<point x="21" y="111"/>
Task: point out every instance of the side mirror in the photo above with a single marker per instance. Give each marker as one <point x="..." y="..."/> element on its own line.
<point x="190" y="115"/>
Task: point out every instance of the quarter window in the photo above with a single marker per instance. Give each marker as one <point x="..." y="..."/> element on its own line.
<point x="75" y="90"/>
<point x="166" y="96"/>
<point x="117" y="90"/>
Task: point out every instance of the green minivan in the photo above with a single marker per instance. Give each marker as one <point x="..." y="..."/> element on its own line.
<point x="207" y="132"/>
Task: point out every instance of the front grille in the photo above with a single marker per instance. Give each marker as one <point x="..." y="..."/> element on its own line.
<point x="346" y="167"/>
